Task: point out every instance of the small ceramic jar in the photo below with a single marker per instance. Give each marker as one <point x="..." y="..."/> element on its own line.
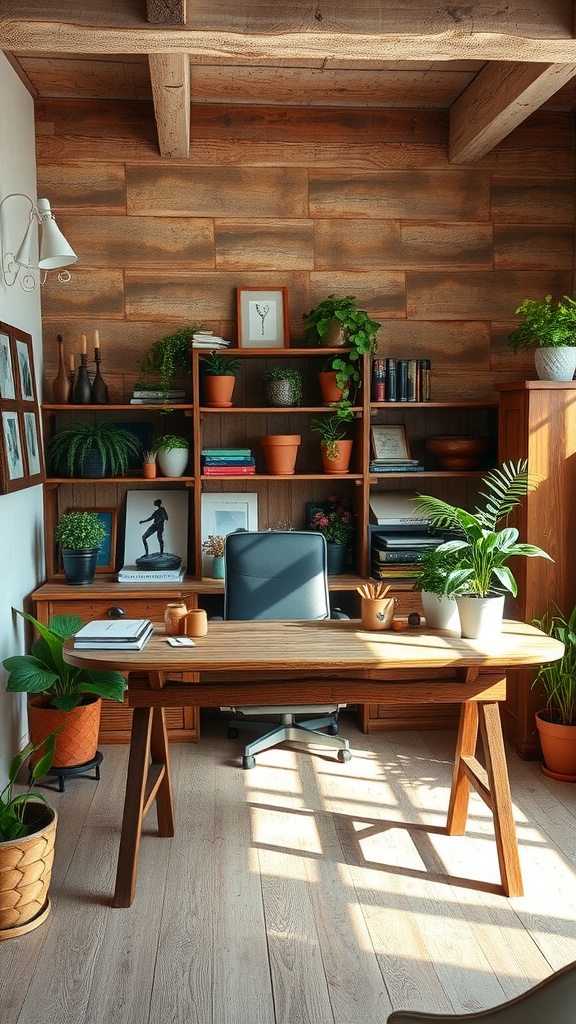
<point x="196" y="622"/>
<point x="175" y="618"/>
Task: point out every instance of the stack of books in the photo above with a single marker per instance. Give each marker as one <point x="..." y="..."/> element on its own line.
<point x="113" y="634"/>
<point x="155" y="396"/>
<point x="228" y="462"/>
<point x="397" y="552"/>
<point x="205" y="339"/>
<point x="132" y="574"/>
<point x="396" y="466"/>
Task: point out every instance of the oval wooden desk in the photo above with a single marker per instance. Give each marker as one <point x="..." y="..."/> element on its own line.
<point x="267" y="663"/>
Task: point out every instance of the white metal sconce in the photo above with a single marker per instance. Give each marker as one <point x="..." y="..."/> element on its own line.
<point x="55" y="252"/>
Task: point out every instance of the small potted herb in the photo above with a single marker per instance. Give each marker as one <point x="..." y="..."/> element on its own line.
<point x="80" y="535"/>
<point x="283" y="386"/>
<point x="335" y="448"/>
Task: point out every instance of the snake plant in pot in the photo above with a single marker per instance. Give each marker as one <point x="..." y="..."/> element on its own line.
<point x="481" y="548"/>
<point x="61" y="694"/>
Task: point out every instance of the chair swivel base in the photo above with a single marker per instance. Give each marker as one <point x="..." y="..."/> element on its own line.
<point x="296" y="733"/>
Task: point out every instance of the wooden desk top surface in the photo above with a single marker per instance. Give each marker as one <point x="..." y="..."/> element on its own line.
<point x="259" y="646"/>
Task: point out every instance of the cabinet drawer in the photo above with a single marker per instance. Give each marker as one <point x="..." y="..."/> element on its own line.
<point x="133" y="608"/>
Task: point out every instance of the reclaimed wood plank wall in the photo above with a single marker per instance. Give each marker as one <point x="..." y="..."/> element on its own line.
<point x="351" y="201"/>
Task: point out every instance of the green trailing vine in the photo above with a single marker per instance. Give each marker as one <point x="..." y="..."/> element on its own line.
<point x="168" y="357"/>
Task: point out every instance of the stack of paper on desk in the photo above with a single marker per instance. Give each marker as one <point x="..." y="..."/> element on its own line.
<point x="114" y="634"/>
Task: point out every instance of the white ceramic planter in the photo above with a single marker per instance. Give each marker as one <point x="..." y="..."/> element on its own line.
<point x="480" y="617"/>
<point x="440" y="612"/>
<point x="173" y="463"/>
<point x="555" y="363"/>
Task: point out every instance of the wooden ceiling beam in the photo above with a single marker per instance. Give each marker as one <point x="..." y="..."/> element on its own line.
<point x="500" y="97"/>
<point x="166" y="12"/>
<point x="170" y="77"/>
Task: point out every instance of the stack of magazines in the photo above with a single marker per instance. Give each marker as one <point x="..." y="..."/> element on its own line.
<point x="205" y="339"/>
<point x="113" y="635"/>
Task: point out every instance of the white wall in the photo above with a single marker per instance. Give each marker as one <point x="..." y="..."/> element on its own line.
<point x="21" y="513"/>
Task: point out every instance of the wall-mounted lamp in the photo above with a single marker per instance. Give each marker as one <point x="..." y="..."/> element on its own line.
<point x="55" y="252"/>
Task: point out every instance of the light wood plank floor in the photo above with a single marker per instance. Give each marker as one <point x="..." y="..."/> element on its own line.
<point x="296" y="893"/>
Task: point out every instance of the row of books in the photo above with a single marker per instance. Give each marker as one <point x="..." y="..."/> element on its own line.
<point x="113" y="635"/>
<point x="228" y="462"/>
<point x="395" y="466"/>
<point x="401" y="380"/>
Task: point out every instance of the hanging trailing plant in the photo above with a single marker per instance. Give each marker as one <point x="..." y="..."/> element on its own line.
<point x="168" y="357"/>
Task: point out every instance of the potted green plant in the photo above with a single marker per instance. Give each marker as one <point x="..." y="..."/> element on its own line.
<point x="93" y="450"/>
<point x="172" y="452"/>
<point x="337" y="322"/>
<point x="62" y="697"/>
<point x="218" y="374"/>
<point x="167" y="357"/>
<point x="548" y="327"/>
<point x="335" y="447"/>
<point x="430" y="581"/>
<point x="335" y="521"/>
<point x="481" y="576"/>
<point x="283" y="386"/>
<point x="556" y="723"/>
<point x="27" y="835"/>
<point x="80" y="535"/>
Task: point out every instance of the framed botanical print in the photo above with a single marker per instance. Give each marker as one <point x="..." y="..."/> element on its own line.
<point x="263" y="320"/>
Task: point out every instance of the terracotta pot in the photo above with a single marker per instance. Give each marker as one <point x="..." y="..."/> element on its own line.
<point x="558" y="744"/>
<point x="342" y="463"/>
<point x="280" y="451"/>
<point x="218" y="391"/>
<point x="25" y="872"/>
<point x="149" y="470"/>
<point x="77" y="742"/>
<point x="328" y="387"/>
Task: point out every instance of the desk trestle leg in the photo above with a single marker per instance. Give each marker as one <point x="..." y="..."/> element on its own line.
<point x="491" y="783"/>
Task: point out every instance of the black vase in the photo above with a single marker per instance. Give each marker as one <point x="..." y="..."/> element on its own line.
<point x="79" y="565"/>
<point x="336" y="556"/>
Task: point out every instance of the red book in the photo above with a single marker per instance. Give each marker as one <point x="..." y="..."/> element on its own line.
<point x="228" y="471"/>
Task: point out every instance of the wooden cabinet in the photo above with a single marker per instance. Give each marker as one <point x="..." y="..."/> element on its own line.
<point x="538" y="423"/>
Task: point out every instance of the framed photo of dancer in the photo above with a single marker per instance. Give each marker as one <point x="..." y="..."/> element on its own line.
<point x="263" y="320"/>
<point x="156" y="523"/>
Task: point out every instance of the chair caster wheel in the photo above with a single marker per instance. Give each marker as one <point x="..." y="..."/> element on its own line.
<point x="249" y="761"/>
<point x="333" y="729"/>
<point x="233" y="733"/>
<point x="344" y="755"/>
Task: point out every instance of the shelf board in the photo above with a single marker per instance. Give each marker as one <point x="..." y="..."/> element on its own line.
<point x="274" y="409"/>
<point x="288" y="476"/>
<point x="125" y="407"/>
<point x="269" y="353"/>
<point x="155" y="480"/>
<point x="489" y="403"/>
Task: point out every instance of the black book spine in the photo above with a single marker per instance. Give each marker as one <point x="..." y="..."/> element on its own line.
<point x="405" y="556"/>
<point x="402" y="380"/>
<point x="391" y="380"/>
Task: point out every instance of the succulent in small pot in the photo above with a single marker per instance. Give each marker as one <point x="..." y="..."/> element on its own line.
<point x="93" y="450"/>
<point x="149" y="465"/>
<point x="283" y="386"/>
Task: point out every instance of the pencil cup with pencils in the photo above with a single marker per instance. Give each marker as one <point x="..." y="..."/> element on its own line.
<point x="377" y="610"/>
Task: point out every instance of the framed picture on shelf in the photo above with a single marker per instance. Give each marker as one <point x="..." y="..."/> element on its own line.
<point x="160" y="515"/>
<point x="106" y="561"/>
<point x="263" y="320"/>
<point x="7" y="389"/>
<point x="389" y="441"/>
<point x="224" y="513"/>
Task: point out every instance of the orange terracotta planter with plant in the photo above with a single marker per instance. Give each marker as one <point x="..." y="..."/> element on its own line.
<point x="78" y="741"/>
<point x="341" y="462"/>
<point x="328" y="387"/>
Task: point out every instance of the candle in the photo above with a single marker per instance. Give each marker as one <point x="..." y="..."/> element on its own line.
<point x="71" y="362"/>
<point x="96" y="339"/>
<point x="83" y="336"/>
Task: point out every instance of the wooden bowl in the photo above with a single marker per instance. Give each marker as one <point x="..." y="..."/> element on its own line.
<point x="455" y="452"/>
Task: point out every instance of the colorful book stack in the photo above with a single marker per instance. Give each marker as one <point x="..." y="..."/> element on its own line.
<point x="228" y="462"/>
<point x="155" y="396"/>
<point x="401" y="380"/>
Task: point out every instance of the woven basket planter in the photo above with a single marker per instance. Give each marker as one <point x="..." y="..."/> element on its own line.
<point x="77" y="742"/>
<point x="25" y="872"/>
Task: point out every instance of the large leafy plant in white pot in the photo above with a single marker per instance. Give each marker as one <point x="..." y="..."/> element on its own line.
<point x="481" y="577"/>
<point x="548" y="327"/>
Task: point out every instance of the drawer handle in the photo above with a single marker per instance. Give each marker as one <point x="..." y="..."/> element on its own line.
<point x="116" y="613"/>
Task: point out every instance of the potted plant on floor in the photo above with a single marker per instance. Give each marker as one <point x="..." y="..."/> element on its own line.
<point x="337" y="322"/>
<point x="335" y="447"/>
<point x="432" y="572"/>
<point x="80" y="535"/>
<point x="481" y="576"/>
<point x="548" y="327"/>
<point x="556" y="723"/>
<point x="27" y="835"/>
<point x="218" y="373"/>
<point x="62" y="697"/>
<point x="283" y="386"/>
<point x="93" y="450"/>
<point x="172" y="452"/>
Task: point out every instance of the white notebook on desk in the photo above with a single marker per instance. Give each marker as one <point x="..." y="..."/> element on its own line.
<point x="115" y="630"/>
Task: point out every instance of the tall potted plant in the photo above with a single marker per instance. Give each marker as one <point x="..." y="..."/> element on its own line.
<point x="556" y="723"/>
<point x="337" y="322"/>
<point x="62" y="697"/>
<point x="548" y="327"/>
<point x="80" y="535"/>
<point x="27" y="836"/>
<point x="481" y="576"/>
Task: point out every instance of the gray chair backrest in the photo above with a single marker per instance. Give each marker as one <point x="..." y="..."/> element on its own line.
<point x="275" y="575"/>
<point x="553" y="1001"/>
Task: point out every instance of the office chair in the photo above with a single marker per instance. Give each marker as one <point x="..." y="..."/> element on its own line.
<point x="553" y="1001"/>
<point x="280" y="575"/>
